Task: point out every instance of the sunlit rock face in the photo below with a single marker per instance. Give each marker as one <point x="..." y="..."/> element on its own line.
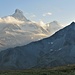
<point x="17" y="30"/>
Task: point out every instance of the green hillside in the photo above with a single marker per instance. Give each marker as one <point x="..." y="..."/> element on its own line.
<point x="62" y="70"/>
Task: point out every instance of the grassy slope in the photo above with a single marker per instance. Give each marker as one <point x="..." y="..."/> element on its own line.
<point x="63" y="70"/>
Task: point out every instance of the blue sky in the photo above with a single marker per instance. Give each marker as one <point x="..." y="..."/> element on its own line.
<point x="62" y="11"/>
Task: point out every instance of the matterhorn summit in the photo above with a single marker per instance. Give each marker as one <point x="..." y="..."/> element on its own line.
<point x="19" y="15"/>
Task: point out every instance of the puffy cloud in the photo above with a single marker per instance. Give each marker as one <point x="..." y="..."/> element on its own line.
<point x="33" y="16"/>
<point x="47" y="14"/>
<point x="11" y="20"/>
<point x="42" y="24"/>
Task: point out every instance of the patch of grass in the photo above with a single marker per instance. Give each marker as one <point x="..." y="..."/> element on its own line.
<point x="62" y="70"/>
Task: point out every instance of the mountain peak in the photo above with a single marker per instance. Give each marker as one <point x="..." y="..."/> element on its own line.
<point x="72" y="23"/>
<point x="54" y="22"/>
<point x="72" y="26"/>
<point x="19" y="15"/>
<point x="18" y="11"/>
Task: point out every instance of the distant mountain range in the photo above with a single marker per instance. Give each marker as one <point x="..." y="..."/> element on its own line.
<point x="57" y="50"/>
<point x="17" y="30"/>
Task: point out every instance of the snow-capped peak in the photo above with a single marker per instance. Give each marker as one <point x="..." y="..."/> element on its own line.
<point x="17" y="11"/>
<point x="54" y="23"/>
<point x="19" y="15"/>
<point x="53" y="27"/>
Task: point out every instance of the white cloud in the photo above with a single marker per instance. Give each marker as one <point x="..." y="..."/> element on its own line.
<point x="33" y="16"/>
<point x="11" y="20"/>
<point x="47" y="14"/>
<point x="42" y="24"/>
